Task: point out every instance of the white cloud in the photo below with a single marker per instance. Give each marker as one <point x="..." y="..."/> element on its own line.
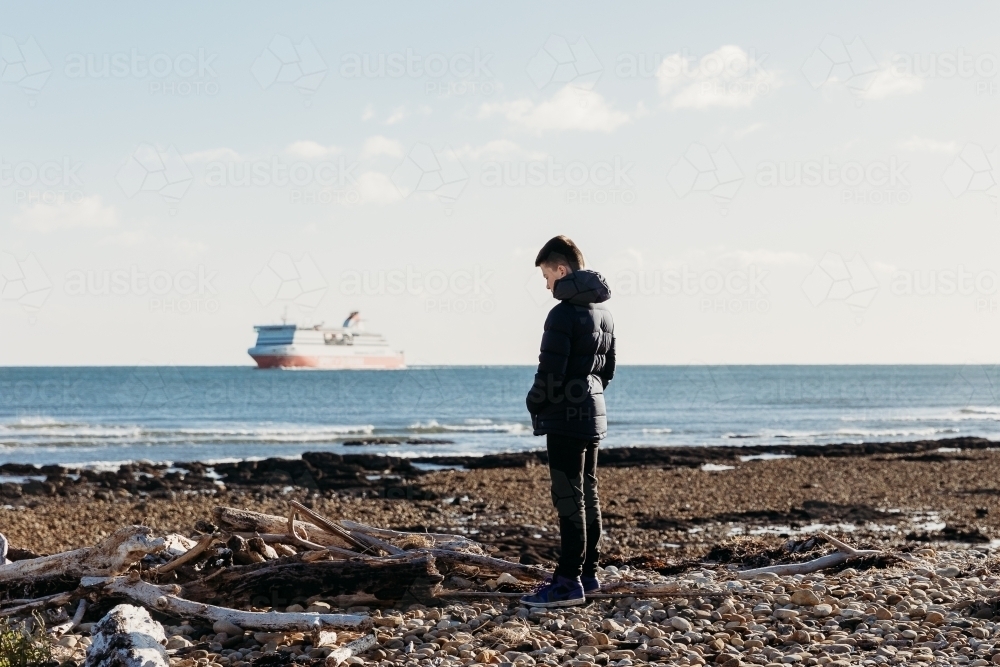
<point x="134" y="238"/>
<point x="766" y="257"/>
<point x="212" y="155"/>
<point x="570" y="108"/>
<point x="377" y="188"/>
<point x="311" y="150"/>
<point x="749" y="129"/>
<point x="126" y="239"/>
<point x="368" y="113"/>
<point x="379" y="145"/>
<point x="397" y="115"/>
<point x="922" y="145"/>
<point x="498" y="148"/>
<point x="888" y="83"/>
<point x="727" y="77"/>
<point x="89" y="212"/>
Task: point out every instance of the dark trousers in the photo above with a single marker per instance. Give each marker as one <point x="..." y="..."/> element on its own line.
<point x="573" y="469"/>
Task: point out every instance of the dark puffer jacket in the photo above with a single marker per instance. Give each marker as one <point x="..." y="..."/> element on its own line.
<point x="577" y="360"/>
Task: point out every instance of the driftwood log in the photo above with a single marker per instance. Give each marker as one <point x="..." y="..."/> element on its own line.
<point x="165" y="600"/>
<point x="844" y="553"/>
<point x="440" y="540"/>
<point x="357" y="647"/>
<point x="286" y="581"/>
<point x="112" y="555"/>
<point x="235" y="520"/>
<point x="127" y="637"/>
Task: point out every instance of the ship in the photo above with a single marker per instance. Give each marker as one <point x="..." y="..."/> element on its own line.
<point x="348" y="346"/>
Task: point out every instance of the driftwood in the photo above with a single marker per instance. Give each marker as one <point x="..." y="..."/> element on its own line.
<point x="127" y="637"/>
<point x="112" y="555"/>
<point x="844" y="552"/>
<point x="286" y="581"/>
<point x="165" y="600"/>
<point x="236" y="520"/>
<point x="58" y="598"/>
<point x="357" y="647"/>
<point x="325" y="524"/>
<point x="63" y="628"/>
<point x="294" y="539"/>
<point x="440" y="540"/>
<point x="3" y="550"/>
<point x="488" y="562"/>
<point x="188" y="556"/>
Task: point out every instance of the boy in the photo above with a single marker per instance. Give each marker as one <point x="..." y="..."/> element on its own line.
<point x="566" y="403"/>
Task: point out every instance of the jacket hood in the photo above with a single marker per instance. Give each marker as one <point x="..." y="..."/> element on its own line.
<point x="582" y="287"/>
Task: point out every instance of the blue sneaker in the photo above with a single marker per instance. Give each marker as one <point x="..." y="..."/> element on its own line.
<point x="560" y="592"/>
<point x="590" y="583"/>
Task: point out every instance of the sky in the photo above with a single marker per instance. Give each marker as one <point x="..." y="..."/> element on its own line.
<point x="760" y="183"/>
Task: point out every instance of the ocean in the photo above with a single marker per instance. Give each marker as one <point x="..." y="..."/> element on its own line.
<point x="91" y="415"/>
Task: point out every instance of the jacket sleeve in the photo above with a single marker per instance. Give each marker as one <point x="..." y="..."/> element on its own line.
<point x="552" y="362"/>
<point x="608" y="372"/>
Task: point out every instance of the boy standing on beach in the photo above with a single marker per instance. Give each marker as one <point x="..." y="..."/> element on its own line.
<point x="566" y="403"/>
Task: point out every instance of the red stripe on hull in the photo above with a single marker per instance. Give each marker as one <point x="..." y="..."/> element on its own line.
<point x="331" y="363"/>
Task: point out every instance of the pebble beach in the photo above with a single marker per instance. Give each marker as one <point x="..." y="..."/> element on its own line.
<point x="931" y="600"/>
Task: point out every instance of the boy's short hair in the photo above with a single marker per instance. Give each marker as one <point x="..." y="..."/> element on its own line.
<point x="560" y="250"/>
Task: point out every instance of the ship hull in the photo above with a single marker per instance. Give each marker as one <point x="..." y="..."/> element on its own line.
<point x="376" y="362"/>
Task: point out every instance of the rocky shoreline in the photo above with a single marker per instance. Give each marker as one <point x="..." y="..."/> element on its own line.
<point x="670" y="516"/>
<point x="659" y="503"/>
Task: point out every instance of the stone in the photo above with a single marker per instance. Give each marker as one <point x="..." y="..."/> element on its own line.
<point x="230" y="629"/>
<point x="935" y="618"/>
<point x="177" y="642"/>
<point x="822" y="610"/>
<point x="947" y="572"/>
<point x="628" y="654"/>
<point x="69" y="641"/>
<point x="883" y="614"/>
<point x="680" y="623"/>
<point x="611" y="625"/>
<point x="507" y="578"/>
<point x="996" y="658"/>
<point x="805" y="598"/>
<point x="785" y="614"/>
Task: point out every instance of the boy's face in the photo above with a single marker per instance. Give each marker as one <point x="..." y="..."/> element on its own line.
<point x="552" y="273"/>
